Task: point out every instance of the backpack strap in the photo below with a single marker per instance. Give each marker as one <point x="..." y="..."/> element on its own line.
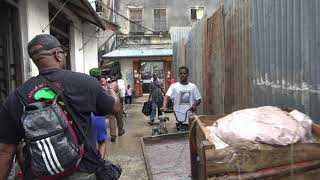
<point x="21" y="99"/>
<point x="68" y="107"/>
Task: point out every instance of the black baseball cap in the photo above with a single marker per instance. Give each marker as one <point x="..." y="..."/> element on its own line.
<point x="43" y="42"/>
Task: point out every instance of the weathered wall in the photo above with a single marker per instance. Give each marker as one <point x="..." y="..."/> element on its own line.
<point x="179" y="37"/>
<point x="238" y="60"/>
<point x="178" y="11"/>
<point x="37" y="12"/>
<point x="127" y="71"/>
<point x="90" y="49"/>
<point x="195" y="56"/>
<point x="286" y="54"/>
<point x="214" y="65"/>
<point x="261" y="53"/>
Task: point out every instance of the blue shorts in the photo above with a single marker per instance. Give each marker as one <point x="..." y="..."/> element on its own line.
<point x="99" y="126"/>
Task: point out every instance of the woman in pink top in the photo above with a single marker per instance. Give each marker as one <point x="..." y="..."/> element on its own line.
<point x="129" y="94"/>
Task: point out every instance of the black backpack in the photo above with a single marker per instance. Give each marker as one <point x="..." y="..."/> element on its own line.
<point x="55" y="141"/>
<point x="52" y="149"/>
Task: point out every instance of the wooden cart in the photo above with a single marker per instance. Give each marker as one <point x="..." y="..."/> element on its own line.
<point x="301" y="161"/>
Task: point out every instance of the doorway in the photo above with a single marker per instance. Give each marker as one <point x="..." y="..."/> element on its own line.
<point x="148" y="68"/>
<point x="11" y="66"/>
<point x="59" y="28"/>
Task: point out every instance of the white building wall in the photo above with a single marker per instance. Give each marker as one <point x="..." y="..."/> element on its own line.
<point x="76" y="42"/>
<point x="37" y="17"/>
<point x="90" y="49"/>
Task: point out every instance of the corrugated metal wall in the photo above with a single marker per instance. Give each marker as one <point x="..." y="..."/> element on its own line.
<point x="238" y="61"/>
<point x="286" y="54"/>
<point x="179" y="37"/>
<point x="195" y="55"/>
<point x="214" y="65"/>
<point x="258" y="52"/>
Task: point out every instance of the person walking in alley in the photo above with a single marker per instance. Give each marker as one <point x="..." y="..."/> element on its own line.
<point x="82" y="92"/>
<point x="99" y="122"/>
<point x="156" y="97"/>
<point x="115" y="120"/>
<point x="129" y="94"/>
<point x="185" y="95"/>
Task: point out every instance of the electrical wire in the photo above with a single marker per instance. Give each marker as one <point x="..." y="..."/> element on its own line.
<point x="89" y="39"/>
<point x="63" y="5"/>
<point x="124" y="17"/>
<point x="107" y="40"/>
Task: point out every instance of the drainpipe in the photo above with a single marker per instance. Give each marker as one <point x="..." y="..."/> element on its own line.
<point x="113" y="13"/>
<point x="114" y="18"/>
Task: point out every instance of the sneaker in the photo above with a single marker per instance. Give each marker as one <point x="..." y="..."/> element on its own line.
<point x="121" y="132"/>
<point x="113" y="138"/>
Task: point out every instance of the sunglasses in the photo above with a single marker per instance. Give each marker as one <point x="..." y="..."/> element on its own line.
<point x="55" y="52"/>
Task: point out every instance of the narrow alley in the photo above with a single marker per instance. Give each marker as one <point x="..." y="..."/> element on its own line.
<point x="239" y="81"/>
<point x="127" y="149"/>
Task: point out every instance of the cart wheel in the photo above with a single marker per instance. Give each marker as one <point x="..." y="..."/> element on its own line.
<point x="165" y="130"/>
<point x="154" y="130"/>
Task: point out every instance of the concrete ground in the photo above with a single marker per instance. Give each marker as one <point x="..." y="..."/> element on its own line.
<point x="127" y="149"/>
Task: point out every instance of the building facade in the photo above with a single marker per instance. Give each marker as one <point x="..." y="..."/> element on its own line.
<point x="75" y="23"/>
<point x="143" y="45"/>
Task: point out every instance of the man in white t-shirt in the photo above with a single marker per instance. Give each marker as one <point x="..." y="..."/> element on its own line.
<point x="185" y="95"/>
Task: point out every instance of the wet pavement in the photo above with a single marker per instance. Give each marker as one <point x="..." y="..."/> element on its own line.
<point x="127" y="149"/>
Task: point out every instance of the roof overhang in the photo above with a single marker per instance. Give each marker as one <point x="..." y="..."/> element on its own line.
<point x="132" y="53"/>
<point x="110" y="25"/>
<point x="84" y="10"/>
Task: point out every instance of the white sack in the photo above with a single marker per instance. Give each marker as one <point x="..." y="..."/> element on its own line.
<point x="306" y="122"/>
<point x="269" y="125"/>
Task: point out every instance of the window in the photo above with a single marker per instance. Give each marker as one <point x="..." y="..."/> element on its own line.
<point x="99" y="7"/>
<point x="197" y="13"/>
<point x="160" y="19"/>
<point x="136" y="17"/>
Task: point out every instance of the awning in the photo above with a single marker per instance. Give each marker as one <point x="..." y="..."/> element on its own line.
<point x="120" y="53"/>
<point x="83" y="9"/>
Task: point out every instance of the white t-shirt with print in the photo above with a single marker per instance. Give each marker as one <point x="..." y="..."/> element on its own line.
<point x="184" y="97"/>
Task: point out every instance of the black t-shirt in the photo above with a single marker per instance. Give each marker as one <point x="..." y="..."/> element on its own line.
<point x="83" y="92"/>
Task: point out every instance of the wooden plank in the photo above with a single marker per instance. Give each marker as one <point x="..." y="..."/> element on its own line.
<point x="205" y="145"/>
<point x="276" y="173"/>
<point x="193" y="150"/>
<point x="146" y="159"/>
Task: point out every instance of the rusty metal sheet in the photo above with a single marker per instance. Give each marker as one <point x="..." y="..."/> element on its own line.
<point x="238" y="87"/>
<point x="271" y="56"/>
<point x="214" y="69"/>
<point x="195" y="56"/>
<point x="286" y="54"/>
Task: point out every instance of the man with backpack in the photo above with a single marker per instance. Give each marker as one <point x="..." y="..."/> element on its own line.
<point x="51" y="113"/>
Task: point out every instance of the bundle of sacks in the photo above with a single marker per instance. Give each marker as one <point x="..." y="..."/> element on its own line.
<point x="268" y="125"/>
